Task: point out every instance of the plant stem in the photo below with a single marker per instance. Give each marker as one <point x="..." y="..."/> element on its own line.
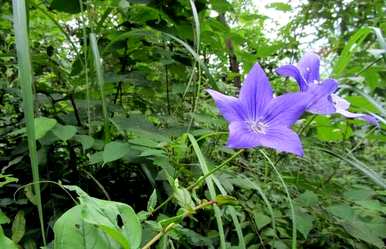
<point x="171" y="225"/>
<point x="25" y="79"/>
<point x="201" y="179"/>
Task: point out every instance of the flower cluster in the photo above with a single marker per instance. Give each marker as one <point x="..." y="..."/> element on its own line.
<point x="257" y="118"/>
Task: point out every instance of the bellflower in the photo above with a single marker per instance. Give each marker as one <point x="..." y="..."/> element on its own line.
<point x="257" y="118"/>
<point x="306" y="73"/>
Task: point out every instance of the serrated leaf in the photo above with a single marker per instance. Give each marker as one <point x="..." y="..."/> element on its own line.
<point x="64" y="132"/>
<point x="114" y="151"/>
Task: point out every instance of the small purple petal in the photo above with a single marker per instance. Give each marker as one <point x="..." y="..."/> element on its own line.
<point x="256" y="92"/>
<point x="241" y="136"/>
<point x="286" y="109"/>
<point x="229" y="106"/>
<point x="342" y="106"/>
<point x="293" y="71"/>
<point x="282" y="139"/>
<point x="309" y="67"/>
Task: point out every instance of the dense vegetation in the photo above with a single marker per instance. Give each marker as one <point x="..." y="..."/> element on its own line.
<point x="109" y="139"/>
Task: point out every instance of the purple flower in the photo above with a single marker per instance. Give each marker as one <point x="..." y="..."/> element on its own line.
<point x="306" y="73"/>
<point x="257" y="118"/>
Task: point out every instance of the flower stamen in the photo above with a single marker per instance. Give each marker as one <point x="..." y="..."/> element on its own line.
<point x="257" y="126"/>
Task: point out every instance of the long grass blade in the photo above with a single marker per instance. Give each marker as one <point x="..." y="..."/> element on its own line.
<point x="100" y="80"/>
<point x="232" y="211"/>
<point x="212" y="191"/>
<point x="351" y="160"/>
<point x="25" y="79"/>
<point x="85" y="58"/>
<point x="293" y="216"/>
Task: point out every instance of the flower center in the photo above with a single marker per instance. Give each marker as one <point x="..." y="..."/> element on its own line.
<point x="257" y="126"/>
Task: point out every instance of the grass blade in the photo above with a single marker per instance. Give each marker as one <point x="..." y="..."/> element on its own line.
<point x="25" y="79"/>
<point x="232" y="211"/>
<point x="350" y="159"/>
<point x="100" y="81"/>
<point x="212" y="191"/>
<point x="294" y="232"/>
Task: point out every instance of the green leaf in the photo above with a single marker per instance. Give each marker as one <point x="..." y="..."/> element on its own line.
<point x="6" y="242"/>
<point x="280" y="6"/>
<point x="307" y="199"/>
<point x="304" y="222"/>
<point x="114" y="151"/>
<point x="354" y="43"/>
<point x="69" y="6"/>
<point x="3" y="218"/>
<point x="64" y="132"/>
<point x="86" y="141"/>
<point x="72" y="232"/>
<point x="360" y="230"/>
<point x="261" y="220"/>
<point x="152" y="201"/>
<point x="183" y="198"/>
<point x="43" y="125"/>
<point x="18" y="227"/>
<point x="342" y="211"/>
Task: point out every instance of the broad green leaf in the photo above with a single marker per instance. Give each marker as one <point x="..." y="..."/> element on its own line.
<point x="261" y="220"/>
<point x="43" y="125"/>
<point x="72" y="232"/>
<point x="307" y="199"/>
<point x="114" y="151"/>
<point x="342" y="211"/>
<point x="360" y="230"/>
<point x="64" y="132"/>
<point x="304" y="222"/>
<point x="5" y="242"/>
<point x="86" y="141"/>
<point x="18" y="227"/>
<point x="104" y="215"/>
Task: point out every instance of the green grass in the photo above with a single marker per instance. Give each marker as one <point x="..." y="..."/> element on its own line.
<point x="25" y="80"/>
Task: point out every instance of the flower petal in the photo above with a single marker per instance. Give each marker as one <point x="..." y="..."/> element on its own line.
<point x="282" y="139"/>
<point x="324" y="106"/>
<point x="320" y="92"/>
<point x="229" y="106"/>
<point x="256" y="92"/>
<point x="365" y="117"/>
<point x="286" y="109"/>
<point x="342" y="106"/>
<point x="293" y="71"/>
<point x="309" y="67"/>
<point x="241" y="136"/>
